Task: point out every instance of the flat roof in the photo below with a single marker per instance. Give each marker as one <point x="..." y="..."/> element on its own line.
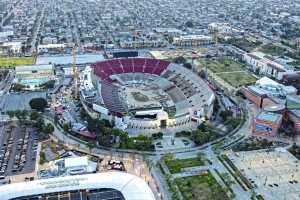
<point x="295" y="112"/>
<point x="269" y="116"/>
<point x="34" y="67"/>
<point x="131" y="186"/>
<point x="68" y="59"/>
<point x="76" y="161"/>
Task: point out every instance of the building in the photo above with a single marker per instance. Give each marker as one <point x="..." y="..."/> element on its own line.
<point x="293" y="113"/>
<point x="86" y="79"/>
<point x="223" y="28"/>
<point x="10" y="48"/>
<point x="267" y="123"/>
<point x="68" y="167"/>
<point x="174" y="98"/>
<point x="171" y="32"/>
<point x="266" y="65"/>
<point x="192" y="40"/>
<point x="143" y="43"/>
<point x="34" y="75"/>
<point x="99" y="186"/>
<point x="267" y="92"/>
<point x="44" y="48"/>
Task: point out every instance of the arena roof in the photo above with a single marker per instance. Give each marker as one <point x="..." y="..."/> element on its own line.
<point x="131" y="187"/>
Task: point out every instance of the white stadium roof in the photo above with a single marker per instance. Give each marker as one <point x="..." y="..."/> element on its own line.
<point x="131" y="187"/>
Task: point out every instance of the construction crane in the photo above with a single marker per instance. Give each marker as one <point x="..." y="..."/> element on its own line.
<point x="215" y="36"/>
<point x="75" y="73"/>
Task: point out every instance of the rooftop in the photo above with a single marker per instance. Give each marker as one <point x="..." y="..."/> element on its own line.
<point x="34" y="67"/>
<point x="268" y="116"/>
<point x="76" y="161"/>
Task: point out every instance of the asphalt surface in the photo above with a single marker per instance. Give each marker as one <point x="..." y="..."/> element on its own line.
<point x="17" y="136"/>
<point x="19" y="101"/>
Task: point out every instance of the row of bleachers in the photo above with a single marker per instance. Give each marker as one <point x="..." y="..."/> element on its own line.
<point x="111" y="99"/>
<point x="129" y="65"/>
<point x="185" y="85"/>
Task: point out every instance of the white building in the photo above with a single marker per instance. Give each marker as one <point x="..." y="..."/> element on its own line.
<point x="192" y="40"/>
<point x="11" y="47"/>
<point x="143" y="43"/>
<point x="86" y="79"/>
<point x="266" y="65"/>
<point x="46" y="47"/>
<point x="68" y="166"/>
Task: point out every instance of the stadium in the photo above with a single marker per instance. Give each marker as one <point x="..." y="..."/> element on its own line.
<point x="145" y="95"/>
<point x="100" y="186"/>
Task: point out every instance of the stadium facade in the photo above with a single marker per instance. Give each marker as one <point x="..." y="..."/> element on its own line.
<point x="100" y="186"/>
<point x="145" y="95"/>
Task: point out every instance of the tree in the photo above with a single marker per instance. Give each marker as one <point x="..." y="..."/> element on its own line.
<point x="48" y="129"/>
<point x="34" y="116"/>
<point x="189" y="24"/>
<point x="39" y="124"/>
<point x="90" y="145"/>
<point x="168" y="157"/>
<point x="56" y="119"/>
<point x="179" y="60"/>
<point x="48" y="84"/>
<point x="18" y="114"/>
<point x="11" y="113"/>
<point x="38" y="104"/>
<point x="18" y="87"/>
<point x="23" y="114"/>
<point x="225" y="114"/>
<point x="202" y="74"/>
<point x="66" y="127"/>
<point x="188" y="65"/>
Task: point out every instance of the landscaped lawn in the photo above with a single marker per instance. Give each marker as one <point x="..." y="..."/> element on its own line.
<point x="245" y="44"/>
<point x="222" y="65"/>
<point x="175" y="166"/>
<point x="231" y="71"/>
<point x="237" y="79"/>
<point x="272" y="50"/>
<point x="200" y="187"/>
<point x="15" y="61"/>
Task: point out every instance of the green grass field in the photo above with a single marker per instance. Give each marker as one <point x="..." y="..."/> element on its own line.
<point x="222" y="65"/>
<point x="237" y="79"/>
<point x="272" y="50"/>
<point x="175" y="166"/>
<point x="245" y="44"/>
<point x="15" y="61"/>
<point x="201" y="187"/>
<point x="229" y="70"/>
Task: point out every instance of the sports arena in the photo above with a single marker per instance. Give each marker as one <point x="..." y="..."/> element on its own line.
<point x="100" y="186"/>
<point x="145" y="95"/>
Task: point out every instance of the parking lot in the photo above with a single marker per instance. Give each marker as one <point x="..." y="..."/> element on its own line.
<point x="18" y="148"/>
